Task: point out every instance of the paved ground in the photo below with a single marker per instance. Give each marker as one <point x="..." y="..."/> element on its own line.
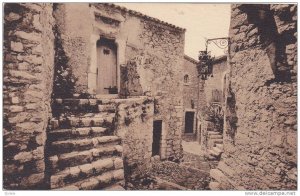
<point x="184" y="176"/>
<point x="192" y="147"/>
<point x="192" y="173"/>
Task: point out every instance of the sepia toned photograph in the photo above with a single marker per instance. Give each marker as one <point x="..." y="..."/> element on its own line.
<point x="149" y="96"/>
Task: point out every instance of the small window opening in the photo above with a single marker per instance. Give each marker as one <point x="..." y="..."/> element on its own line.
<point x="186" y="78"/>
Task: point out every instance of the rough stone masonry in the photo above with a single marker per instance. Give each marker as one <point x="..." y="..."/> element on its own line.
<point x="27" y="87"/>
<point x="50" y="52"/>
<point x="260" y="139"/>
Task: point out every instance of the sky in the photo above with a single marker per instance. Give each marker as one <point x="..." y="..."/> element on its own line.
<point x="200" y="21"/>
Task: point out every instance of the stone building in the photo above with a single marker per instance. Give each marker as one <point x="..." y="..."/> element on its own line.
<point x="191" y="93"/>
<point x="260" y="133"/>
<point x="212" y="113"/>
<point x="90" y="91"/>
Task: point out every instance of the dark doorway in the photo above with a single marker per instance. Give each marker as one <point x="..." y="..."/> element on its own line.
<point x="157" y="129"/>
<point x="189" y="122"/>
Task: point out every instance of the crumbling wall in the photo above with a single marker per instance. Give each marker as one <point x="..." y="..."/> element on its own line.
<point x="134" y="124"/>
<point x="261" y="117"/>
<point x="27" y="87"/>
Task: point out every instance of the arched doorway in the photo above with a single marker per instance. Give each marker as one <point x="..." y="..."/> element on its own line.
<point x="106" y="67"/>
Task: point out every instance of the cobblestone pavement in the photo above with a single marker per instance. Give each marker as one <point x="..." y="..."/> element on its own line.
<point x="192" y="173"/>
<point x="193" y="157"/>
<point x="184" y="176"/>
<point x="192" y="147"/>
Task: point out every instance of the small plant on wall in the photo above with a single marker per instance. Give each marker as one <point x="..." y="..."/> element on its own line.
<point x="214" y="114"/>
<point x="64" y="80"/>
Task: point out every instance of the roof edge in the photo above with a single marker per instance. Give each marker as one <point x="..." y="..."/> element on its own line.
<point x="220" y="58"/>
<point x="190" y="59"/>
<point x="139" y="14"/>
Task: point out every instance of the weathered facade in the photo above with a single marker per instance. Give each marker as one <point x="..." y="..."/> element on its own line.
<point x="192" y="97"/>
<point x="260" y="133"/>
<point x="105" y="78"/>
<point x="211" y="114"/>
<point x="27" y="86"/>
<point x="96" y="95"/>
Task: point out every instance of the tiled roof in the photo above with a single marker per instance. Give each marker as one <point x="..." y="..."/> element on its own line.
<point x="220" y="58"/>
<point x="190" y="59"/>
<point x="136" y="13"/>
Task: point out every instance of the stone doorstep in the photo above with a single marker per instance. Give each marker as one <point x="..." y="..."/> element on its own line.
<point x="83" y="157"/>
<point x="84" y="171"/>
<point x="73" y="144"/>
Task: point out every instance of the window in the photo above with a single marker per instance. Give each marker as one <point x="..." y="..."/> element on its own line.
<point x="186" y="79"/>
<point x="106" y="51"/>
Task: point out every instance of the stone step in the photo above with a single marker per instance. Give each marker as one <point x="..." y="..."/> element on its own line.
<point x="111" y="108"/>
<point x="217" y="141"/>
<point x="71" y="145"/>
<point x="217" y="175"/>
<point x="213" y="133"/>
<point x="62" y="134"/>
<point x="213" y="153"/>
<point x="78" y="102"/>
<point x="217" y="150"/>
<point x="220" y="146"/>
<point x="103" y="182"/>
<point x="80" y="176"/>
<point x="210" y="157"/>
<point x="61" y="108"/>
<point x="215" y="136"/>
<point x="84" y="102"/>
<point x="114" y="187"/>
<point x="214" y="186"/>
<point x="60" y="162"/>
<point x="87" y="120"/>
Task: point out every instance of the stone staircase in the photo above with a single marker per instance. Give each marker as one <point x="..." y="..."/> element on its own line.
<point x="83" y="152"/>
<point x="215" y="143"/>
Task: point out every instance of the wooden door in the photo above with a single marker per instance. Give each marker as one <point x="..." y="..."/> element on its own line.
<point x="157" y="131"/>
<point x="189" y="122"/>
<point x="106" y="66"/>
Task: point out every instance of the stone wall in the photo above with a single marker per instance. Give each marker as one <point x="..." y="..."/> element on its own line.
<point x="213" y="85"/>
<point x="75" y="28"/>
<point x="27" y="87"/>
<point x="190" y="88"/>
<point x="261" y="116"/>
<point x="134" y="124"/>
<point x="193" y="93"/>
